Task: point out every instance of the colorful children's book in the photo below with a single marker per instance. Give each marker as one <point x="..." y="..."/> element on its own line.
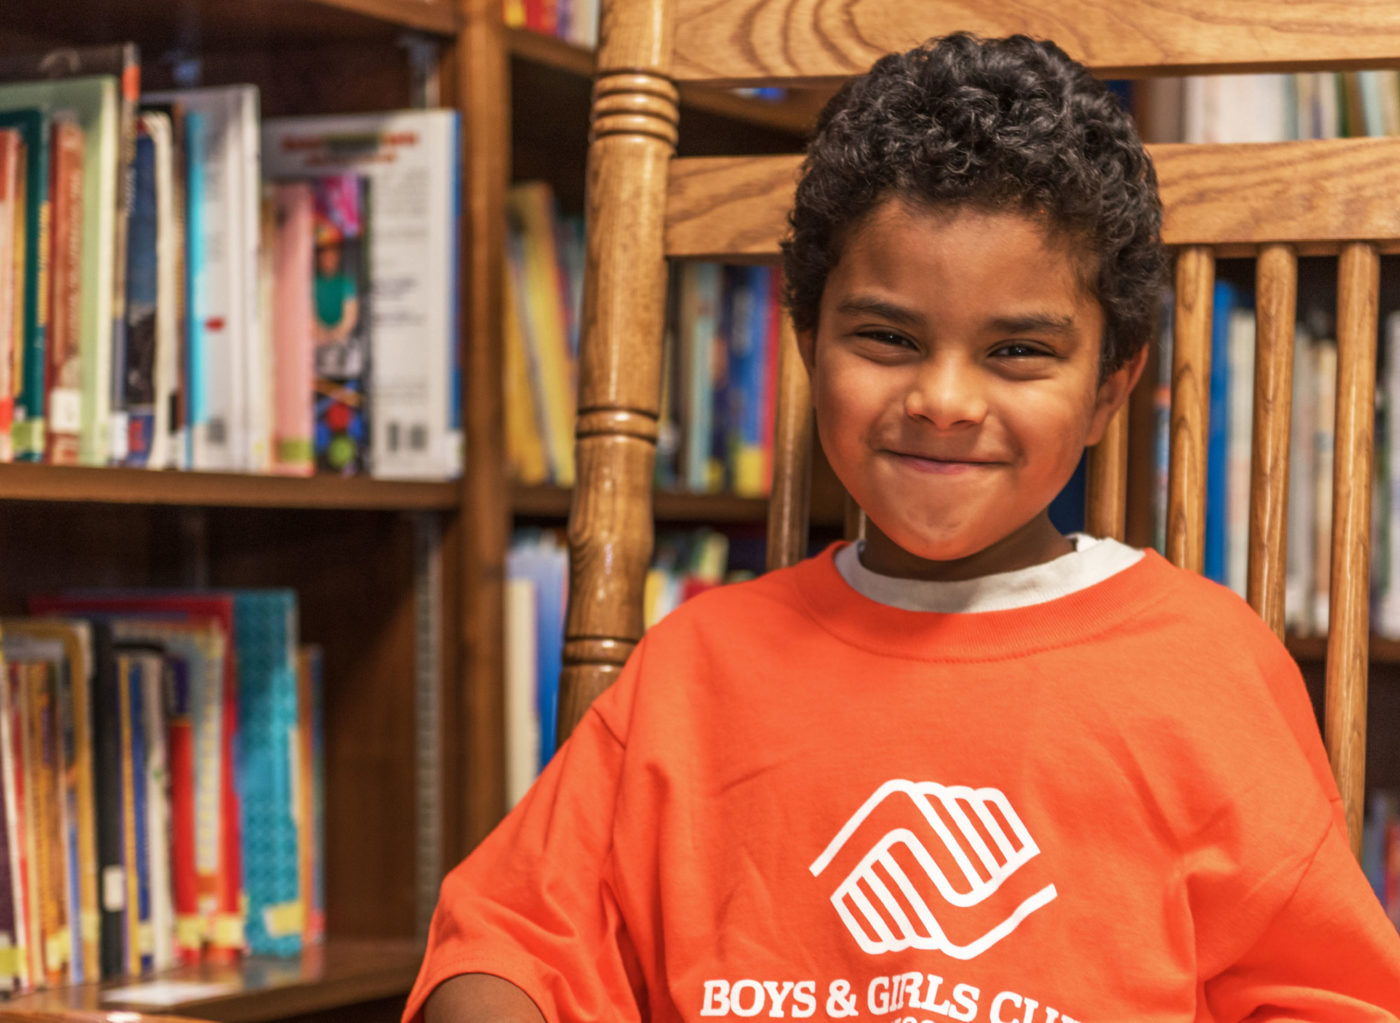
<point x="309" y="795"/>
<point x="31" y="263"/>
<point x="342" y="324"/>
<point x="63" y="403"/>
<point x="413" y="257"/>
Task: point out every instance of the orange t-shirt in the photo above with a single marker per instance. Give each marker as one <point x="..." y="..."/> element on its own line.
<point x="799" y="803"/>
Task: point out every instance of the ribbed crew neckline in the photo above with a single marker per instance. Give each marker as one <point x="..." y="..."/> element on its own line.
<point x="985" y="635"/>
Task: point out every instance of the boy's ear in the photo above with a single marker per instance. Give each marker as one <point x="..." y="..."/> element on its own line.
<point x="1114" y="391"/>
<point x="806" y="347"/>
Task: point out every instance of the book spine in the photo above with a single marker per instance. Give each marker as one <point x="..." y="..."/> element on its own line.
<point x="1217" y="444"/>
<point x="64" y="383"/>
<point x="138" y="372"/>
<point x="28" y="428"/>
<point x="293" y="252"/>
<point x="11" y="186"/>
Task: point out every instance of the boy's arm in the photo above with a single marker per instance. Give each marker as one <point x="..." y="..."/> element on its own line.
<point x="480" y="998"/>
<point x="1330" y="953"/>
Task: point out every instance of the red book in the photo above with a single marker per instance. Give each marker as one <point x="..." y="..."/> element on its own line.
<point x="63" y="375"/>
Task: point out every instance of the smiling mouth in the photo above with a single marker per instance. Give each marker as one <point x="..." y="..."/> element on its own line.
<point x="937" y="464"/>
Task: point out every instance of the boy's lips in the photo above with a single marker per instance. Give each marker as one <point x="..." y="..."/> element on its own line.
<point x="941" y="463"/>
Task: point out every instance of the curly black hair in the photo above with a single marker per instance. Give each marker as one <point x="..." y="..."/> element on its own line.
<point x="996" y="124"/>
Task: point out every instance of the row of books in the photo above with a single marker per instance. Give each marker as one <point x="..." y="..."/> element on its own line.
<point x="162" y="784"/>
<point x="720" y="359"/>
<point x="574" y="21"/>
<point x="1311" y="459"/>
<point x="537" y="566"/>
<point x="183" y="285"/>
<point x="1274" y="107"/>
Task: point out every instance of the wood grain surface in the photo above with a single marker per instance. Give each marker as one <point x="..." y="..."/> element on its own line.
<point x="1229" y="197"/>
<point x="1276" y="305"/>
<point x="1358" y="286"/>
<point x="1190" y="414"/>
<point x="748" y="41"/>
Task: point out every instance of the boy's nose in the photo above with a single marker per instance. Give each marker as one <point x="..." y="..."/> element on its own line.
<point x="947" y="395"/>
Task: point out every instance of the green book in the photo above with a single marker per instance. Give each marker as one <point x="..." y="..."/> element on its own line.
<point x="94" y="102"/>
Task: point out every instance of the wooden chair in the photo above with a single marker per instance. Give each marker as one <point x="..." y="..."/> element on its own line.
<point x="1276" y="202"/>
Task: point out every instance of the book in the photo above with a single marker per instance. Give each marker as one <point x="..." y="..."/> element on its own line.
<point x="94" y="102"/>
<point x="1240" y="346"/>
<point x="64" y="383"/>
<point x="11" y="311"/>
<point x="697" y="348"/>
<point x="157" y="128"/>
<point x="223" y="200"/>
<point x="309" y="795"/>
<point x="138" y="372"/>
<point x="32" y="271"/>
<point x="538" y="290"/>
<point x="522" y="675"/>
<point x="342" y="325"/>
<point x="1324" y="434"/>
<point x="415" y="385"/>
<point x="525" y="453"/>
<point x="293" y="330"/>
<point x="13" y="974"/>
<point x="1226" y="299"/>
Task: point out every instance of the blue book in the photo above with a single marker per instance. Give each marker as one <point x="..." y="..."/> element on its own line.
<point x="136" y="379"/>
<point x="1217" y="434"/>
<point x="196" y="355"/>
<point x="540" y="558"/>
<point x="265" y="639"/>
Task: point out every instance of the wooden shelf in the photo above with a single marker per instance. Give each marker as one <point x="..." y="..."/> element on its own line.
<point x="547" y="502"/>
<point x="1314" y="648"/>
<point x="19" y="482"/>
<point x="196" y="26"/>
<point x="794" y="115"/>
<point x="335" y="976"/>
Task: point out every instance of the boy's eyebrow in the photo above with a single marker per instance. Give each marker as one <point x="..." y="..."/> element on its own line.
<point x="868" y="305"/>
<point x="1033" y="323"/>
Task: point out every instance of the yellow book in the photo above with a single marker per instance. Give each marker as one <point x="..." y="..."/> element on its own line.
<point x="524" y="445"/>
<point x="530" y="213"/>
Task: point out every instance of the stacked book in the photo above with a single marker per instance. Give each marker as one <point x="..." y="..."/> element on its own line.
<point x="186" y="286"/>
<point x="161" y="787"/>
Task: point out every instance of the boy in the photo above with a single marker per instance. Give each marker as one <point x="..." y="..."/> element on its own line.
<point x="971" y="769"/>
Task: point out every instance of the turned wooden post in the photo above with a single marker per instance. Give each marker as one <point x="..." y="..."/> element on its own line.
<point x="624" y="308"/>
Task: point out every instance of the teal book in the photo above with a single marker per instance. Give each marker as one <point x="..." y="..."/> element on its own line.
<point x="30" y="350"/>
<point x="265" y="645"/>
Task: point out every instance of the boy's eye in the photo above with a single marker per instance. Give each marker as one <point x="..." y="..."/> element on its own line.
<point x="1021" y="350"/>
<point x="887" y="337"/>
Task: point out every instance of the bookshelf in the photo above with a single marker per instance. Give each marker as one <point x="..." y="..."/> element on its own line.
<point x="367" y="557"/>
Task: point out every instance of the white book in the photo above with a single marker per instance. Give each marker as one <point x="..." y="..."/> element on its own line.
<point x="412" y="162"/>
<point x="229" y="267"/>
<point x="522" y="671"/>
<point x="1324" y="435"/>
<point x="157" y="782"/>
<point x="167" y="360"/>
<point x="1302" y="489"/>
<point x="1239" y="432"/>
<point x="1387" y="608"/>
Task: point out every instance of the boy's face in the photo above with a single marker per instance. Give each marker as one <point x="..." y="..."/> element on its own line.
<point x="955" y="376"/>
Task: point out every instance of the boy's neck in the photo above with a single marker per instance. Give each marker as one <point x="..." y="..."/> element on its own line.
<point x="1033" y="544"/>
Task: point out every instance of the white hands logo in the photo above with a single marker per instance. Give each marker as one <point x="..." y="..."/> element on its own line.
<point x="933" y="879"/>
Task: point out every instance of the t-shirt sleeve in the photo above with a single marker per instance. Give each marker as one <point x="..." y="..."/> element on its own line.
<point x="1330" y="953"/>
<point x="533" y="904"/>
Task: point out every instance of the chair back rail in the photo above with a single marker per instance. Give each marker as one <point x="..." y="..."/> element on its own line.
<point x="752" y="42"/>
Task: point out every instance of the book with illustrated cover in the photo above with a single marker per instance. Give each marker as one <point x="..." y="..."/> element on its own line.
<point x="416" y="368"/>
<point x="293" y="329"/>
<point x="343" y="355"/>
<point x="138" y="373"/>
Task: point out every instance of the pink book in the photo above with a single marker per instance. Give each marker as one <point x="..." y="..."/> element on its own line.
<point x="10" y="169"/>
<point x="293" y="330"/>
